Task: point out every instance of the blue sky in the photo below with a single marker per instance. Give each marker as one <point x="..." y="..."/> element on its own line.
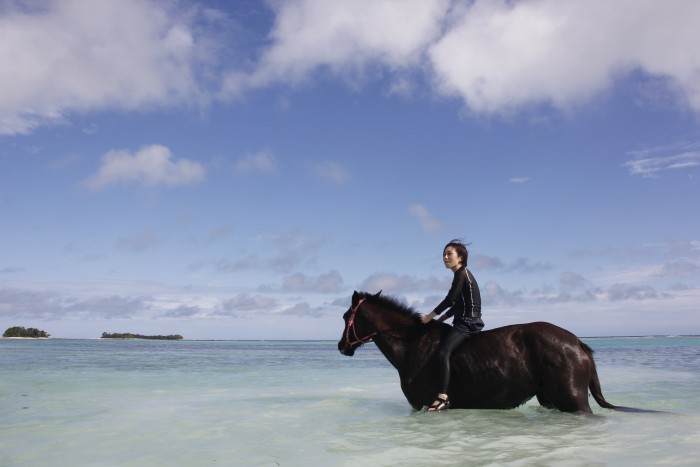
<point x="235" y="170"/>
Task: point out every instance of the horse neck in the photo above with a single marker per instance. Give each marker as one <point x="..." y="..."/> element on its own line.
<point x="391" y="339"/>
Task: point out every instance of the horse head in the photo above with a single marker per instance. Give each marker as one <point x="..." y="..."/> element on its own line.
<point x="358" y="327"/>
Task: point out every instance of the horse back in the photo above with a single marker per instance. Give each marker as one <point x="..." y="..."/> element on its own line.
<point x="535" y="340"/>
<point x="508" y="364"/>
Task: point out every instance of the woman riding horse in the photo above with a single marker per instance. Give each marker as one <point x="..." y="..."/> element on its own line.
<point x="501" y="368"/>
<point x="464" y="303"/>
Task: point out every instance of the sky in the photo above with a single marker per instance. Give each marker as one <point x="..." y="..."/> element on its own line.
<point x="235" y="170"/>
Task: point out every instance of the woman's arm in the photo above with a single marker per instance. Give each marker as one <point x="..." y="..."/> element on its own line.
<point x="450" y="299"/>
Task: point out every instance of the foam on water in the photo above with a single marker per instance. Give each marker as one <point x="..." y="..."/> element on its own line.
<point x="231" y="403"/>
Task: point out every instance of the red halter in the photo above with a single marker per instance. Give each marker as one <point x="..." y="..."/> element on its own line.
<point x="351" y="325"/>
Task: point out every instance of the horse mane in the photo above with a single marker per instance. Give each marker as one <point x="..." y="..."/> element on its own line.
<point x="395" y="304"/>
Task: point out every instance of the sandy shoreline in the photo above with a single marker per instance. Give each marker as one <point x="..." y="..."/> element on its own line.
<point x="30" y="338"/>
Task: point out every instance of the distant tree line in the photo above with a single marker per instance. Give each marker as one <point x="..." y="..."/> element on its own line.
<point x="19" y="331"/>
<point x="128" y="335"/>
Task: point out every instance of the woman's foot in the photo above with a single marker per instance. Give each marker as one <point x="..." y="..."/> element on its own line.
<point x="440" y="404"/>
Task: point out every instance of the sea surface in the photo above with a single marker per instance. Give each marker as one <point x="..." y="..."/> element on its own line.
<point x="221" y="403"/>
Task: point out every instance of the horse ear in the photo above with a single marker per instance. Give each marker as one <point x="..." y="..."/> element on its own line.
<point x="355" y="297"/>
<point x="378" y="294"/>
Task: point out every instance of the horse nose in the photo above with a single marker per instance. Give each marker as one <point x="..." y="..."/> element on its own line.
<point x="345" y="349"/>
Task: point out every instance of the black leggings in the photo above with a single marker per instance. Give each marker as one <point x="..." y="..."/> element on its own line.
<point x="449" y="343"/>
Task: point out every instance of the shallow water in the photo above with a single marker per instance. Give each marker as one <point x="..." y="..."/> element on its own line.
<point x="141" y="403"/>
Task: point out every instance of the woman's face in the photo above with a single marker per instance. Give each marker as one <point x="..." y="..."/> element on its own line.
<point x="451" y="258"/>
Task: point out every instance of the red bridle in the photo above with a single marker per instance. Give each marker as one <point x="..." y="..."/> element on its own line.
<point x="351" y="325"/>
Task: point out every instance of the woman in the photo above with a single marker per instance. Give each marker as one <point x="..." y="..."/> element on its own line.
<point x="464" y="303"/>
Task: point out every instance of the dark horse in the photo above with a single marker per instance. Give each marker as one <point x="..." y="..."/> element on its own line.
<point x="496" y="369"/>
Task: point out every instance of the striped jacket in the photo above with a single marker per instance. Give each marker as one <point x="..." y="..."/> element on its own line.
<point x="463" y="299"/>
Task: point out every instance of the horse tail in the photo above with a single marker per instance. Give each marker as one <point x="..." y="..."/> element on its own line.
<point x="594" y="383"/>
<point x="597" y="393"/>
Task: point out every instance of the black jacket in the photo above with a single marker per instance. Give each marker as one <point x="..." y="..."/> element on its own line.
<point x="463" y="299"/>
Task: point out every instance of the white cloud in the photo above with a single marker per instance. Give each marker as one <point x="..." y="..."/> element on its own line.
<point x="345" y="36"/>
<point x="499" y="55"/>
<point x="485" y="263"/>
<point x="184" y="311"/>
<point x="392" y="283"/>
<point x="11" y="270"/>
<point x="259" y="162"/>
<point x="241" y="264"/>
<point x="679" y="268"/>
<point x="631" y="292"/>
<point x="220" y="232"/>
<point x="245" y="302"/>
<point x="330" y="282"/>
<point x="427" y="221"/>
<point x="649" y="163"/>
<point x="113" y="306"/>
<point x="68" y="56"/>
<point x="494" y="294"/>
<point x="150" y="166"/>
<point x="496" y="56"/>
<point x="138" y="242"/>
<point x="519" y="180"/>
<point x="572" y="281"/>
<point x="304" y="309"/>
<point x="525" y="266"/>
<point x="331" y="171"/>
<point x="519" y="265"/>
<point x="43" y="304"/>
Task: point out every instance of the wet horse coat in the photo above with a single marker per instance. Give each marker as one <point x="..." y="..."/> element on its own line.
<point x="500" y="368"/>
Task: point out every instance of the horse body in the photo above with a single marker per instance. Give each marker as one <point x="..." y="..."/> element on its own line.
<point x="500" y="368"/>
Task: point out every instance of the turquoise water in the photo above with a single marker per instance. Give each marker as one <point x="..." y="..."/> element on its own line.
<point x="143" y="403"/>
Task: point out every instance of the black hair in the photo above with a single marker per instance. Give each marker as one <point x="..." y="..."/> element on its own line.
<point x="461" y="249"/>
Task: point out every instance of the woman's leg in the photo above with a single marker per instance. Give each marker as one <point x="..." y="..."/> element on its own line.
<point x="451" y="341"/>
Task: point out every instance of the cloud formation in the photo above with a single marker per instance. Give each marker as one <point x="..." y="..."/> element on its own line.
<point x="330" y="282"/>
<point x="69" y="56"/>
<point x="399" y="283"/>
<point x="263" y="162"/>
<point x="45" y="304"/>
<point x="520" y="265"/>
<point x="345" y="37"/>
<point x="241" y="303"/>
<point x="149" y="166"/>
<point x="427" y="221"/>
<point x="331" y="171"/>
<point x="651" y="162"/>
<point x="138" y="242"/>
<point x="496" y="56"/>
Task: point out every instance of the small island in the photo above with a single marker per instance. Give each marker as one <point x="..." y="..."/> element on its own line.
<point x="19" y="331"/>
<point x="128" y="335"/>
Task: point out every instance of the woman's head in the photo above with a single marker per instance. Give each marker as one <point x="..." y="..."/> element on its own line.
<point x="460" y="250"/>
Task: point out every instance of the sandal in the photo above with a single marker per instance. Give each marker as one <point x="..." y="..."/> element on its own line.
<point x="439" y="404"/>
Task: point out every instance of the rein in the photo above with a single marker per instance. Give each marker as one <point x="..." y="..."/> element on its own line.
<point x="351" y="325"/>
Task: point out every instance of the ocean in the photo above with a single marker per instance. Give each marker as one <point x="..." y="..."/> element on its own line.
<point x="279" y="403"/>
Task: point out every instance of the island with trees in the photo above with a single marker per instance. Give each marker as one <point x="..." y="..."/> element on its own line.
<point x="19" y="331"/>
<point x="128" y="335"/>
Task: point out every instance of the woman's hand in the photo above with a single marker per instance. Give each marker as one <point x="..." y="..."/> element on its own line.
<point x="428" y="317"/>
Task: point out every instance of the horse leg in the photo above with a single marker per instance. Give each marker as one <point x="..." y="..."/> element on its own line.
<point x="564" y="407"/>
<point x="544" y="402"/>
<point x="565" y="396"/>
<point x="565" y="387"/>
<point x="413" y="396"/>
